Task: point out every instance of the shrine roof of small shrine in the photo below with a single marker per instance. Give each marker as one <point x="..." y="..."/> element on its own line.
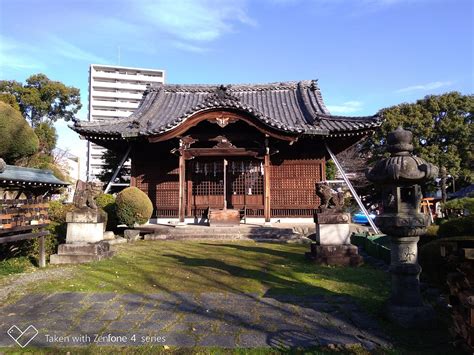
<point x="291" y="107"/>
<point x="33" y="177"/>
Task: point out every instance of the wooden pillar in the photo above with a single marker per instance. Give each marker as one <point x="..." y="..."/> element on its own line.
<point x="182" y="188"/>
<point x="266" y="184"/>
<point x="42" y="255"/>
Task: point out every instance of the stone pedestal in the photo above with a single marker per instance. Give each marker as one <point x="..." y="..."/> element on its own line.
<point x="81" y="253"/>
<point x="405" y="306"/>
<point x="85" y="226"/>
<point x="340" y="255"/>
<point x="84" y="238"/>
<point x="332" y="244"/>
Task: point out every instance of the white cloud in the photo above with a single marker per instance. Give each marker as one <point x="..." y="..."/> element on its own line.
<point x="424" y="87"/>
<point x="17" y="56"/>
<point x="346" y="107"/>
<point x="189" y="22"/>
<point x="71" y="51"/>
<point x="189" y="47"/>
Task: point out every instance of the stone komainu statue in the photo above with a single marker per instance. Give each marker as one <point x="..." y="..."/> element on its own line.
<point x="85" y="194"/>
<point x="328" y="196"/>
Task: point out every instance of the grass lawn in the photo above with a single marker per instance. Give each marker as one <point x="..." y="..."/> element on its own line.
<point x="249" y="267"/>
<point x="261" y="268"/>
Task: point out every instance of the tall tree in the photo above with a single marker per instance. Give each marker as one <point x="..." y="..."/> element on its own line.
<point x="43" y="100"/>
<point x="442" y="130"/>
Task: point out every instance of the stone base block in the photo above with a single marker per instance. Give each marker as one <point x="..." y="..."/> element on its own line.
<point x="86" y="215"/>
<point x="155" y="237"/>
<point x="335" y="255"/>
<point x="333" y="234"/>
<point x="77" y="259"/>
<point x="411" y="317"/>
<point x="81" y="232"/>
<point x="117" y="240"/>
<point x="132" y="234"/>
<point x="81" y="253"/>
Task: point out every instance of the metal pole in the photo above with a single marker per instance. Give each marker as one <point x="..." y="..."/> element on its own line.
<point x="109" y="185"/>
<point x="353" y="191"/>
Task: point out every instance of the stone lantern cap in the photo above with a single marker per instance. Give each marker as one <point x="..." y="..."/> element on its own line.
<point x="401" y="166"/>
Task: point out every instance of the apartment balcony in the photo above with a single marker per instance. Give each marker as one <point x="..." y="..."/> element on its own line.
<point x="117" y="95"/>
<point x="125" y="86"/>
<point x="113" y="105"/>
<point x="120" y="114"/>
<point x="118" y="76"/>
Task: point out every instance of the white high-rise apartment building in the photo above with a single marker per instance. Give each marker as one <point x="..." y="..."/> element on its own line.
<point x="114" y="92"/>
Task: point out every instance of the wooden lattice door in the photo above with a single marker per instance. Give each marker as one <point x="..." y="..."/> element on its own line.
<point x="241" y="187"/>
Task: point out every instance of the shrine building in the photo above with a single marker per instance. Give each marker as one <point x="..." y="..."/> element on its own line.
<point x="258" y="149"/>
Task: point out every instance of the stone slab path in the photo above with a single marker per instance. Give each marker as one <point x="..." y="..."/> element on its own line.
<point x="188" y="320"/>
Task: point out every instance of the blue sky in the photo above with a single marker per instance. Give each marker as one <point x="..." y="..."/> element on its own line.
<point x="367" y="54"/>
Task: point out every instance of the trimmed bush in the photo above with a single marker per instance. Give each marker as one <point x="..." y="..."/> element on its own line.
<point x="133" y="206"/>
<point x="107" y="203"/>
<point x="17" y="138"/>
<point x="457" y="227"/>
<point x="462" y="204"/>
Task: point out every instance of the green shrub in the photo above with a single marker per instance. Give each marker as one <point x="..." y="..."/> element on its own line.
<point x="457" y="227"/>
<point x="107" y="203"/>
<point x="57" y="211"/>
<point x="17" y="138"/>
<point x="15" y="266"/>
<point x="57" y="235"/>
<point x="133" y="206"/>
<point x="432" y="230"/>
<point x="57" y="229"/>
<point x="464" y="204"/>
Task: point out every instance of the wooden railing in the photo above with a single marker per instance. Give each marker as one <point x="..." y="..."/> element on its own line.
<point x="24" y="219"/>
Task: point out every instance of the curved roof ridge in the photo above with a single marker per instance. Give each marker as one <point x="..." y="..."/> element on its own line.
<point x="291" y="106"/>
<point x="231" y="87"/>
<point x="350" y="118"/>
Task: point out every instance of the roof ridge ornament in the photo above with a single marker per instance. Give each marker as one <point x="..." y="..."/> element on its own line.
<point x="221" y="93"/>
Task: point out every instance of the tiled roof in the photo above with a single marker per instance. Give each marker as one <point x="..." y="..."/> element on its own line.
<point x="293" y="107"/>
<point x="18" y="174"/>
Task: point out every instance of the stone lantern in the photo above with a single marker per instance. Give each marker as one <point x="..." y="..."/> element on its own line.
<point x="399" y="177"/>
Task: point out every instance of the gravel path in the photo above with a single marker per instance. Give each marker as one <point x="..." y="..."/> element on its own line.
<point x="15" y="282"/>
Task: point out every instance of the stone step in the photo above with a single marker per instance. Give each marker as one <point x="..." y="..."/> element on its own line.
<point x="78" y="259"/>
<point x="228" y="236"/>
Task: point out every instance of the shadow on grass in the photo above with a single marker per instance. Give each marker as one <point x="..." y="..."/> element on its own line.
<point x="327" y="316"/>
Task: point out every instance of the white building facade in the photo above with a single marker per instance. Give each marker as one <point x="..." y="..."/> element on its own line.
<point x="114" y="93"/>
